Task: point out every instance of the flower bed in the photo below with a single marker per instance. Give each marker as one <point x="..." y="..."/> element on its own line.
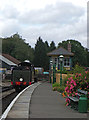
<point x="57" y="87"/>
<point x="78" y="81"/>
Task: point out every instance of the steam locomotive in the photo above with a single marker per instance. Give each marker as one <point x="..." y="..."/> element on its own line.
<point x="23" y="75"/>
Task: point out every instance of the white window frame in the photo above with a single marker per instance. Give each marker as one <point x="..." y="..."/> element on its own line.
<point x="67" y="60"/>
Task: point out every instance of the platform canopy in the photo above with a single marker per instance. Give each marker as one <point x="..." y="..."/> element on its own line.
<point x="2" y="58"/>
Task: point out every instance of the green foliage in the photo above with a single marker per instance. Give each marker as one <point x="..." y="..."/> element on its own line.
<point x="64" y="71"/>
<point x="52" y="46"/>
<point x="47" y="46"/>
<point x="61" y="89"/>
<point x="66" y="79"/>
<point x="78" y="69"/>
<point x="16" y="47"/>
<point x="57" y="87"/>
<point x="87" y="57"/>
<point x="73" y="83"/>
<point x="47" y="57"/>
<point x="40" y="54"/>
<point x="80" y="53"/>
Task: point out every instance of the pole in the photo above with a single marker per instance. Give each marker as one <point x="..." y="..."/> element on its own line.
<point x="54" y="76"/>
<point x="61" y="73"/>
<point x="50" y="70"/>
<point x="50" y="75"/>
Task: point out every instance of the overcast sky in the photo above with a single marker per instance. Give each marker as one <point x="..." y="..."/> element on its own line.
<point x="53" y="20"/>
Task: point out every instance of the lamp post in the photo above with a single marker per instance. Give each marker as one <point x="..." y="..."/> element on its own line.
<point x="51" y="62"/>
<point x="61" y="62"/>
<point x="54" y="72"/>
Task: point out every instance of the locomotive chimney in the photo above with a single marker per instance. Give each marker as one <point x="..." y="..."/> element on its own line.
<point x="69" y="46"/>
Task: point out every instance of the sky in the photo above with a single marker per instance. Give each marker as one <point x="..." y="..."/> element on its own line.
<point x="53" y="20"/>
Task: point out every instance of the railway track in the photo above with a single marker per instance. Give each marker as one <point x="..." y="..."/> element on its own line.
<point x="15" y="100"/>
<point x="7" y="95"/>
<point x="7" y="100"/>
<point x="5" y="91"/>
<point x="6" y="88"/>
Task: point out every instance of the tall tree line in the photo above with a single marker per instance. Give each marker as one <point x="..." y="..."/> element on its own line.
<point x="18" y="48"/>
<point x="40" y="53"/>
<point x="80" y="53"/>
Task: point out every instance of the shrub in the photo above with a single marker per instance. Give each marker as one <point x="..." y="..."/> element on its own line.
<point x="78" y="81"/>
<point x="66" y="79"/>
<point x="64" y="71"/>
<point x="61" y="89"/>
<point x="78" y="69"/>
<point x="57" y="87"/>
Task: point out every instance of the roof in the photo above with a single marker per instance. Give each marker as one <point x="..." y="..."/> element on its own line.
<point x="60" y="51"/>
<point x="9" y="59"/>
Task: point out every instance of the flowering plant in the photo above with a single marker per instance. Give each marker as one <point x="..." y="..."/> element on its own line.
<point x="78" y="81"/>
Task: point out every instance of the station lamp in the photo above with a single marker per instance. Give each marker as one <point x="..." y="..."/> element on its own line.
<point x="61" y="64"/>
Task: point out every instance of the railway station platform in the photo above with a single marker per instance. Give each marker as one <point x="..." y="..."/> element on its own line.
<point x="20" y="108"/>
<point x="46" y="103"/>
<point x="39" y="101"/>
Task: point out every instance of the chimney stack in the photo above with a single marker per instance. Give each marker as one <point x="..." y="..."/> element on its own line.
<point x="69" y="46"/>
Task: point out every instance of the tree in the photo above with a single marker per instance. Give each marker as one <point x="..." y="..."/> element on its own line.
<point x="80" y="54"/>
<point x="16" y="47"/>
<point x="87" y="57"/>
<point x="40" y="54"/>
<point x="52" y="46"/>
<point x="47" y="46"/>
<point x="47" y="57"/>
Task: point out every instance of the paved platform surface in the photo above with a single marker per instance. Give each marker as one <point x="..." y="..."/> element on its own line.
<point x="21" y="106"/>
<point x="46" y="103"/>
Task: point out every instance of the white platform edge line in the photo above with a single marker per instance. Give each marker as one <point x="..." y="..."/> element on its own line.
<point x="4" y="115"/>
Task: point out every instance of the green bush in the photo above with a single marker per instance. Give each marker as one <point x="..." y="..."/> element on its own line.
<point x="61" y="89"/>
<point x="56" y="85"/>
<point x="64" y="71"/>
<point x="78" y="69"/>
<point x="65" y="79"/>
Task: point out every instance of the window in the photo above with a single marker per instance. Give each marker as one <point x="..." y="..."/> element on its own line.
<point x="66" y="62"/>
<point x="55" y="61"/>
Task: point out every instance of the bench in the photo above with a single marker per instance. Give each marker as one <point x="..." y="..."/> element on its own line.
<point x="74" y="100"/>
